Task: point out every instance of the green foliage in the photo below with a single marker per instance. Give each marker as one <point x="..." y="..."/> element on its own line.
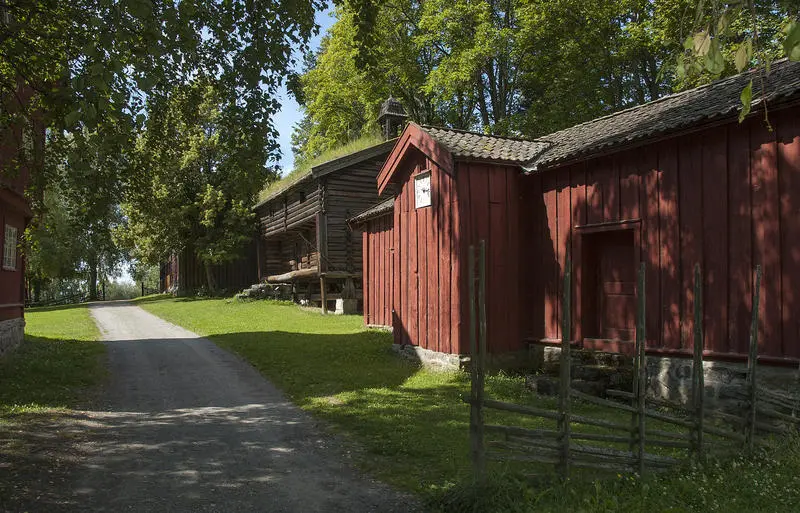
<point x="194" y="180"/>
<point x="727" y="38"/>
<point x="56" y="365"/>
<point x="520" y="66"/>
<point x="95" y="63"/>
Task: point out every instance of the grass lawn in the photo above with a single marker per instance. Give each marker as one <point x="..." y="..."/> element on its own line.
<point x="411" y="427"/>
<point x="57" y="364"/>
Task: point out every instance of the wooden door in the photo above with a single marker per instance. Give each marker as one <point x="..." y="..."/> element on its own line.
<point x="617" y="286"/>
<point x="609" y="297"/>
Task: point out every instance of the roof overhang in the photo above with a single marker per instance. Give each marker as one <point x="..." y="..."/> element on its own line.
<point x="413" y="135"/>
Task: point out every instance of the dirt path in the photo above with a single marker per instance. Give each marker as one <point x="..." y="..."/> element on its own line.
<point x="186" y="426"/>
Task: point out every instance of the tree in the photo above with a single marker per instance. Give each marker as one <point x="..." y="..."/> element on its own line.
<point x="194" y="180"/>
<point x="95" y="63"/>
<point x="727" y="38"/>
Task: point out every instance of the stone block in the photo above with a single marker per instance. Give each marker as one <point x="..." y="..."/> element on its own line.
<point x="12" y="331"/>
<point x="346" y="306"/>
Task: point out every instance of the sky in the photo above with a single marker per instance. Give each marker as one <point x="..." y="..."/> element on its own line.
<point x="290" y="112"/>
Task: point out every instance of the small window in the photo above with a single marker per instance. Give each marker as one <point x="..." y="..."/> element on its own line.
<point x="422" y="190"/>
<point x="10" y="249"/>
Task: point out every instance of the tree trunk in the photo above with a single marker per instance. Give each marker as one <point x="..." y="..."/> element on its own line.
<point x="92" y="279"/>
<point x="212" y="288"/>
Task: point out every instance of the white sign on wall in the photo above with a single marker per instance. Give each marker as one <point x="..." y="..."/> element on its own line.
<point x="422" y="190"/>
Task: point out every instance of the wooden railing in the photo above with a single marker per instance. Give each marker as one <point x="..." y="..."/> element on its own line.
<point x="567" y="445"/>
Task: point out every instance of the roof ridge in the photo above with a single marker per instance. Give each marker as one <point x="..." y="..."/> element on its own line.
<point x="471" y="132"/>
<point x="671" y="96"/>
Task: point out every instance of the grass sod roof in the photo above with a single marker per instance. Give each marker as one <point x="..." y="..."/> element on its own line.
<point x="303" y="172"/>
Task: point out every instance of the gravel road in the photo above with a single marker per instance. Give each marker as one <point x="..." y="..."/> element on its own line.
<point x="187" y="426"/>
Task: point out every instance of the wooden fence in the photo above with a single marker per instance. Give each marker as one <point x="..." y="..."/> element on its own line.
<point x="690" y="431"/>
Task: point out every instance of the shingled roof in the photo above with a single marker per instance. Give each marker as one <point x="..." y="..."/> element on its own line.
<point x="471" y="145"/>
<point x="377" y="210"/>
<point x="716" y="101"/>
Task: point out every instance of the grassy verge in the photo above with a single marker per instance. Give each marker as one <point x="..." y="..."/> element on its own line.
<point x="410" y="424"/>
<point x="56" y="365"/>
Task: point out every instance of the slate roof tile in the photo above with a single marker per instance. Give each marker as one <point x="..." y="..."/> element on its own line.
<point x="718" y="100"/>
<point x="471" y="145"/>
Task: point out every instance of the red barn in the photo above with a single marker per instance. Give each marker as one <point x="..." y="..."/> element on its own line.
<point x="671" y="183"/>
<point x="21" y="144"/>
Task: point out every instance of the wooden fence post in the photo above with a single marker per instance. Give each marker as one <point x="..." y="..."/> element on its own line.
<point x="698" y="373"/>
<point x="641" y="342"/>
<point x="566" y="369"/>
<point x="476" y="389"/>
<point x="751" y="364"/>
<point x="482" y="352"/>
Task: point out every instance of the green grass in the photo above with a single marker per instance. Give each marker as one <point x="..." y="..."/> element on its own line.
<point x="57" y="365"/>
<point x="303" y="169"/>
<point x="410" y="428"/>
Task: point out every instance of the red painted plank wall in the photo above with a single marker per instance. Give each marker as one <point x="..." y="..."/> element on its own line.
<point x="476" y="202"/>
<point x="727" y="197"/>
<point x="490" y="200"/>
<point x="425" y="277"/>
<point x="378" y="275"/>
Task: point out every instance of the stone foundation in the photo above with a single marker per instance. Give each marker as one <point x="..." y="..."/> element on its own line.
<point x="428" y="358"/>
<point x="725" y="382"/>
<point x="671" y="377"/>
<point x="12" y="332"/>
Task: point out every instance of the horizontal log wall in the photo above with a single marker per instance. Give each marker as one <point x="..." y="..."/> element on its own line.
<point x="348" y="192"/>
<point x="727" y="198"/>
<point x="292" y="208"/>
<point x="289" y="251"/>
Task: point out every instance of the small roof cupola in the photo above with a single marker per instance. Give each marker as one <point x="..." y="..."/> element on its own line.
<point x="391" y="118"/>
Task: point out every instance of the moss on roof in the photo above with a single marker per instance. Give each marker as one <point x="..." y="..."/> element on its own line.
<point x="304" y="169"/>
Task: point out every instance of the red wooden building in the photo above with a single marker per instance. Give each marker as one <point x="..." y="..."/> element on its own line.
<point x="21" y="145"/>
<point x="672" y="183"/>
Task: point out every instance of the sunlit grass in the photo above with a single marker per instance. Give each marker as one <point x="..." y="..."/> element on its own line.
<point x="59" y="362"/>
<point x="408" y="426"/>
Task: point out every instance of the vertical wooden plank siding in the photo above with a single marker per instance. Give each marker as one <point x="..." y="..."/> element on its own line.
<point x="378" y="241"/>
<point x="740" y="267"/>
<point x="766" y="233"/>
<point x="788" y="132"/>
<point x="649" y="203"/>
<point x="578" y="189"/>
<point x="725" y="198"/>
<point x="669" y="245"/>
<point x="715" y="239"/>
<point x="549" y="268"/>
<point x="564" y="237"/>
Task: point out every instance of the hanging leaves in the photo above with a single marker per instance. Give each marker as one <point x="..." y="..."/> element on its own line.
<point x="743" y="55"/>
<point x="791" y="45"/>
<point x="714" y="61"/>
<point x="746" y="98"/>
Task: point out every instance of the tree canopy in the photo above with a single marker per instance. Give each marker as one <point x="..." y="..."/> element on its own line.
<point x="524" y="67"/>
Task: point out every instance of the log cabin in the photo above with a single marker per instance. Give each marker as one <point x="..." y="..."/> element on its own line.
<point x="184" y="274"/>
<point x="21" y="149"/>
<point x="672" y="183"/>
<point x="305" y="240"/>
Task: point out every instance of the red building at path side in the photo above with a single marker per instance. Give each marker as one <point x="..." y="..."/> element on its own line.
<point x="21" y="144"/>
